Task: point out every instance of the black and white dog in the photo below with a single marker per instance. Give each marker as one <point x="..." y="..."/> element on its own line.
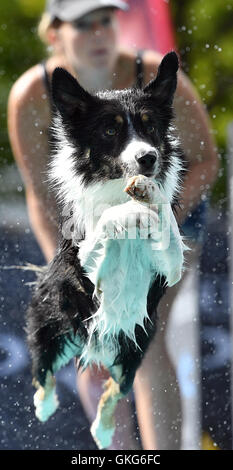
<point x="116" y="169"/>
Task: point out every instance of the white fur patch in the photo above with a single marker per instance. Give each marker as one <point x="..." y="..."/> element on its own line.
<point x="45" y="399"/>
<point x="101" y="435"/>
<point x="122" y="270"/>
<point x="135" y="148"/>
<point x="46" y="407"/>
<point x="171" y="185"/>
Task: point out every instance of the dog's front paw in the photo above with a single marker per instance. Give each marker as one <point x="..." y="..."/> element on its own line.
<point x="141" y="188"/>
<point x="113" y="222"/>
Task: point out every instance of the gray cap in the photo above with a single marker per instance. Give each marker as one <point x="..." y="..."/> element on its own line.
<point x="69" y="10"/>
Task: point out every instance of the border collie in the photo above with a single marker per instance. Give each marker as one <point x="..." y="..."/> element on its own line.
<point x="116" y="168"/>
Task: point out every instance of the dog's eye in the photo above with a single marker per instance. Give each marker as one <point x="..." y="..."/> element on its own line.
<point x="110" y="132"/>
<point x="150" y="129"/>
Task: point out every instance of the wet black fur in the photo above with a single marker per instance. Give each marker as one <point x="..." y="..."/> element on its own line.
<point x="63" y="296"/>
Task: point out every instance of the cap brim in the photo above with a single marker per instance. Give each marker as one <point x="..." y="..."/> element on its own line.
<point x="71" y="12"/>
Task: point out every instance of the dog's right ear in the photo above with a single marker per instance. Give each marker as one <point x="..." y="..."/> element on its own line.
<point x="163" y="86"/>
<point x="68" y="96"/>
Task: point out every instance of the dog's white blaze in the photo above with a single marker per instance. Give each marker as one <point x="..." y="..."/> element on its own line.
<point x="135" y="148"/>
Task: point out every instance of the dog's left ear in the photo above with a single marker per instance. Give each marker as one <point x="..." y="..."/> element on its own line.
<point x="163" y="86"/>
<point x="67" y="94"/>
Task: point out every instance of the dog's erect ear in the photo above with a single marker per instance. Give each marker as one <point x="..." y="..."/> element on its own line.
<point x="163" y="86"/>
<point x="68" y="95"/>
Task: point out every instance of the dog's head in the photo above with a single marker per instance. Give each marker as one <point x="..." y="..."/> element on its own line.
<point x="117" y="134"/>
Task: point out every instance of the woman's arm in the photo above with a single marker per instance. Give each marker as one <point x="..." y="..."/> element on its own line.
<point x="200" y="149"/>
<point x="28" y="120"/>
<point x="197" y="140"/>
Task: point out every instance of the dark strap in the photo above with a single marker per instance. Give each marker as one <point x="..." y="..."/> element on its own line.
<point x="139" y="69"/>
<point x="46" y="80"/>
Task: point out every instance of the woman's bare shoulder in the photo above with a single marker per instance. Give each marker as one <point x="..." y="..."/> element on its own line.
<point x="29" y="86"/>
<point x="29" y="98"/>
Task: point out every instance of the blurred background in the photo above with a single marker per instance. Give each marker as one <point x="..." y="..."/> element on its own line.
<point x="202" y="33"/>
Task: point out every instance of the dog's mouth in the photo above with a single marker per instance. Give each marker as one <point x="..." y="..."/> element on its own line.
<point x="135" y="171"/>
<point x="148" y="174"/>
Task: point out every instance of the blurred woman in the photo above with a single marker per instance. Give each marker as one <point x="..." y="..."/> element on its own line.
<point x="82" y="36"/>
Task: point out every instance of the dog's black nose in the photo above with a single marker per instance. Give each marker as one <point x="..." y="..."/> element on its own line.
<point x="147" y="161"/>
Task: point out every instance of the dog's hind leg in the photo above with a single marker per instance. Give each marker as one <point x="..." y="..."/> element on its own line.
<point x="62" y="351"/>
<point x="45" y="399"/>
<point x="53" y="339"/>
<point x="103" y="427"/>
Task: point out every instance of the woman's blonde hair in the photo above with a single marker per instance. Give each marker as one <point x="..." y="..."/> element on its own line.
<point x="45" y="23"/>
